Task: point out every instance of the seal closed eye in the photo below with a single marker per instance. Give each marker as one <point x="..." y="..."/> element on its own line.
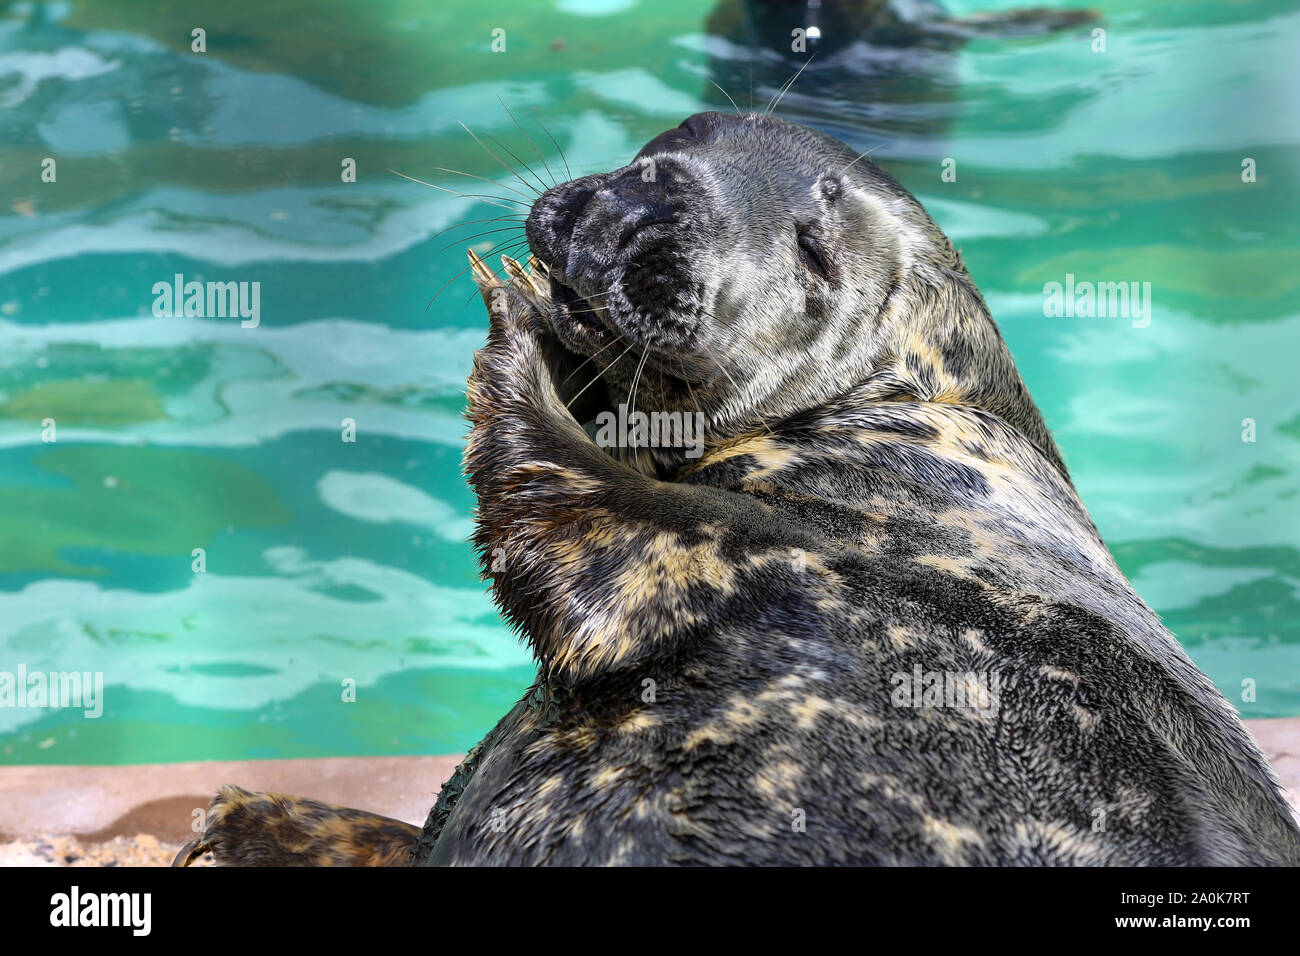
<point x="810" y="252"/>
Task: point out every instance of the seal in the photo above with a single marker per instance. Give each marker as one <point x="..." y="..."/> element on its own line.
<point x="867" y="64"/>
<point x="869" y="621"/>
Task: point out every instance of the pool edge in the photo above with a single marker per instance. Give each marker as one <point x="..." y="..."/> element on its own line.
<point x="96" y="804"/>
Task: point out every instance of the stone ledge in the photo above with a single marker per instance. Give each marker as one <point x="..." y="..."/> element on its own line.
<point x="81" y="815"/>
<point x="96" y="804"/>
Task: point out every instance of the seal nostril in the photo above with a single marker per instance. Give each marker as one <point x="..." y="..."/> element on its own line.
<point x="551" y="219"/>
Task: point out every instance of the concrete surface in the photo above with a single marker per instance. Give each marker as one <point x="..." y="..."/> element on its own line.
<point x="96" y="804"/>
<point x="133" y="815"/>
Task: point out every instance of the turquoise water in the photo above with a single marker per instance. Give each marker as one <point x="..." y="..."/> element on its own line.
<point x="329" y="561"/>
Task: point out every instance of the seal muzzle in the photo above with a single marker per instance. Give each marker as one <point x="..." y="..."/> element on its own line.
<point x="622" y="248"/>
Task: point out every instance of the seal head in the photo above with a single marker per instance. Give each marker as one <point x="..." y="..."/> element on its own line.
<point x="752" y="269"/>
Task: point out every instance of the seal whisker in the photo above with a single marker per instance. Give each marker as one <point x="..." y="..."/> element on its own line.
<point x="508" y="168"/>
<point x="597" y="377"/>
<point x="632" y="451"/>
<point x="726" y="94"/>
<point x="471" y="222"/>
<point x="491" y="182"/>
<point x="568" y="172"/>
<point x="598" y="297"/>
<point x="636" y="380"/>
<point x="482" y="197"/>
<point x="466" y="240"/>
<point x="861" y="155"/>
<point x="530" y="141"/>
<point x="500" y="145"/>
<point x="607" y="345"/>
<point x="786" y="87"/>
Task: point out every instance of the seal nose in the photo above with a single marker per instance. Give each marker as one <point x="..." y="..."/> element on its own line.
<point x="549" y="226"/>
<point x="580" y="226"/>
<point x="626" y="205"/>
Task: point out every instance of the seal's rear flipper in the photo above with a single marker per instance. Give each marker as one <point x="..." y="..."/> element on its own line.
<point x="274" y="829"/>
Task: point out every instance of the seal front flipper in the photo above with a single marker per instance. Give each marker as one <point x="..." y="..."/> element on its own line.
<point x="243" y="828"/>
<point x="595" y="562"/>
